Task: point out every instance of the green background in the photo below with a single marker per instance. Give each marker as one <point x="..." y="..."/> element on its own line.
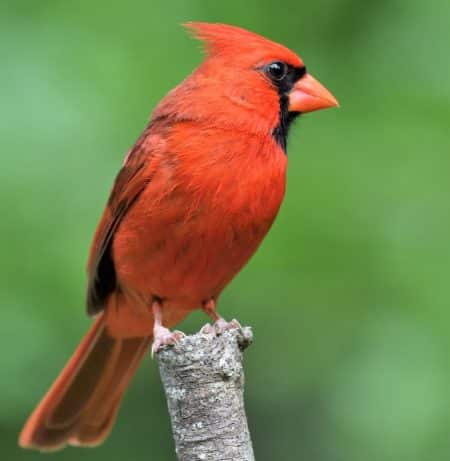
<point x="348" y="296"/>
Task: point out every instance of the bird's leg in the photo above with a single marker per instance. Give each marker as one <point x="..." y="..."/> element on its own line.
<point x="220" y="324"/>
<point x="162" y="336"/>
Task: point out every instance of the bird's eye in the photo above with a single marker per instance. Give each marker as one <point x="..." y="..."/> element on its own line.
<point x="276" y="70"/>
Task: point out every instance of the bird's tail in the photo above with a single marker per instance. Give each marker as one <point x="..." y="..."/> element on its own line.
<point x="81" y="406"/>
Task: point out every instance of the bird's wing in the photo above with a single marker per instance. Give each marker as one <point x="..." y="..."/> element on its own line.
<point x="130" y="182"/>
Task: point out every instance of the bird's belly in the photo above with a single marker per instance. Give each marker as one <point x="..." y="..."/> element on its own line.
<point x="185" y="260"/>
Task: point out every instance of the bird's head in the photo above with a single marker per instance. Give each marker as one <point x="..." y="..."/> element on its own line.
<point x="248" y="81"/>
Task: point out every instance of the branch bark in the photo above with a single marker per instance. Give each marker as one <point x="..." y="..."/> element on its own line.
<point x="203" y="379"/>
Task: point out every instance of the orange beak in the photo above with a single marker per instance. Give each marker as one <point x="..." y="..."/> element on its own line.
<point x="308" y="95"/>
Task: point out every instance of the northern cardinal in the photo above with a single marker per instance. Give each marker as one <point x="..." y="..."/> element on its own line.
<point x="194" y="199"/>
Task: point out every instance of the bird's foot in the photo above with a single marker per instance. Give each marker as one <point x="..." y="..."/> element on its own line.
<point x="162" y="336"/>
<point x="208" y="330"/>
<point x="221" y="325"/>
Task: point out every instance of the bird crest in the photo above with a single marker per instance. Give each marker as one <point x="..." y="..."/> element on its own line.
<point x="224" y="40"/>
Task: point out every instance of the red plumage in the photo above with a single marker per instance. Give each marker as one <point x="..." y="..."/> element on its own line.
<point x="194" y="199"/>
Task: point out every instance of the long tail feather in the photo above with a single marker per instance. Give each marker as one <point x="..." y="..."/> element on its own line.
<point x="81" y="406"/>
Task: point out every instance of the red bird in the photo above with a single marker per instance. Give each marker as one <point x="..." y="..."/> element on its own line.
<point x="194" y="199"/>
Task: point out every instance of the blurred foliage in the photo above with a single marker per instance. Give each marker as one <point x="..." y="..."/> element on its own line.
<point x="349" y="294"/>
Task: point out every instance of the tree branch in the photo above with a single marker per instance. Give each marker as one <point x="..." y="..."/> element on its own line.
<point x="203" y="380"/>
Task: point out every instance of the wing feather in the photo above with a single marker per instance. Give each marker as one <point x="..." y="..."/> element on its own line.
<point x="129" y="184"/>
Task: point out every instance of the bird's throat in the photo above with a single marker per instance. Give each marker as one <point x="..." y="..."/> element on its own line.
<point x="281" y="131"/>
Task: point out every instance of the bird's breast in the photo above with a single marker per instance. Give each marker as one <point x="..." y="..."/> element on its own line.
<point x="198" y="223"/>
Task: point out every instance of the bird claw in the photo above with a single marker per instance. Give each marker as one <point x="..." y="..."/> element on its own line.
<point x="222" y="325"/>
<point x="164" y="337"/>
<point x="208" y="330"/>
